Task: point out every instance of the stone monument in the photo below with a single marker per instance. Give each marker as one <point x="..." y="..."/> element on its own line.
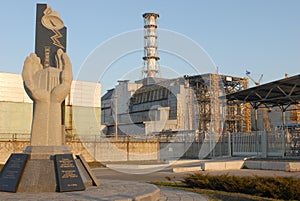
<point x="47" y="77"/>
<point x="47" y="165"/>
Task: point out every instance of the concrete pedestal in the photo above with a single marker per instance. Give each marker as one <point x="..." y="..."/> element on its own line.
<point x="39" y="174"/>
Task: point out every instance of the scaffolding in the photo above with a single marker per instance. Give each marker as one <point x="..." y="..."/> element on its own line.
<point x="238" y="116"/>
<point x="207" y="89"/>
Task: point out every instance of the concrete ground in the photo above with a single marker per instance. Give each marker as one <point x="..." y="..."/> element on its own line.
<point x="106" y="173"/>
<point x="120" y="186"/>
<point x="167" y="174"/>
<point x="110" y="190"/>
<point x="153" y="174"/>
<point x="159" y="174"/>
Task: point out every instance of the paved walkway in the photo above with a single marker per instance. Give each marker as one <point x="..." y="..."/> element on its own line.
<point x="109" y="190"/>
<point x="93" y="194"/>
<point x="167" y="194"/>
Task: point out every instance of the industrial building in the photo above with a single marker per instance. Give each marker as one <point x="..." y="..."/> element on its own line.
<point x="146" y="109"/>
<point x="191" y="103"/>
<point x="81" y="111"/>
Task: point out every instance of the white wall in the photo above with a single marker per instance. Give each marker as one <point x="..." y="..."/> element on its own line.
<point x="86" y="94"/>
<point x="16" y="107"/>
<point x="11" y="88"/>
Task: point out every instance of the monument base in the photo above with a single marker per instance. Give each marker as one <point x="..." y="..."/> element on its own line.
<point x="46" y="152"/>
<point x="46" y="169"/>
<point x="38" y="176"/>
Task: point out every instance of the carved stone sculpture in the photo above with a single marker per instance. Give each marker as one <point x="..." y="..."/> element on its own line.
<point x="47" y="87"/>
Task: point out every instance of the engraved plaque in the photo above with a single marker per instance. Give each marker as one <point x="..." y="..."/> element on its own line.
<point x="67" y="174"/>
<point x="12" y="172"/>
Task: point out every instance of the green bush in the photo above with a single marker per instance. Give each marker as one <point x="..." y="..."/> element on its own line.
<point x="286" y="188"/>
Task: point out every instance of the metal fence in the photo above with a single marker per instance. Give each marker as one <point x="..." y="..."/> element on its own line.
<point x="260" y="143"/>
<point x="191" y="142"/>
<point x="14" y="136"/>
<point x="186" y="137"/>
<point x="246" y="144"/>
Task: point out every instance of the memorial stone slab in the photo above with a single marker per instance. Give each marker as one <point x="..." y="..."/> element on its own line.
<point x="12" y="172"/>
<point x="67" y="173"/>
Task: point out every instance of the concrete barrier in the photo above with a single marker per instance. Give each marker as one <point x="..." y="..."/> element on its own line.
<point x="213" y="166"/>
<point x="269" y="165"/>
<point x="234" y="165"/>
<point x="293" y="167"/>
<point x="210" y="165"/>
<point x="223" y="165"/>
<point x="273" y="165"/>
<point x="256" y="165"/>
<point x="91" y="151"/>
<point x="187" y="169"/>
<point x="180" y="162"/>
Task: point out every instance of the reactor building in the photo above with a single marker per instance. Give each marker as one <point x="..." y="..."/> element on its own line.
<point x="158" y="106"/>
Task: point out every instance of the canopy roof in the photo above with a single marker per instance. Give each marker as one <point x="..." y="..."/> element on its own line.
<point x="282" y="92"/>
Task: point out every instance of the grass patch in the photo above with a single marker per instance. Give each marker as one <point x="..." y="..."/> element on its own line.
<point x="96" y="164"/>
<point x="285" y="188"/>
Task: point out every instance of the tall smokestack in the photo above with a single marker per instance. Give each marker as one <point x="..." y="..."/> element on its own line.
<point x="150" y="48"/>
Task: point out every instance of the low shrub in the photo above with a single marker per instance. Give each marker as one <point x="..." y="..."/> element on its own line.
<point x="286" y="188"/>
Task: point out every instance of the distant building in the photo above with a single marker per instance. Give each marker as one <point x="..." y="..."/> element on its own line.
<point x="190" y="103"/>
<point x="187" y="104"/>
<point x="275" y="118"/>
<point x="147" y="109"/>
<point x="81" y="111"/>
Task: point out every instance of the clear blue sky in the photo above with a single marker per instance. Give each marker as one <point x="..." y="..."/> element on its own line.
<point x="239" y="35"/>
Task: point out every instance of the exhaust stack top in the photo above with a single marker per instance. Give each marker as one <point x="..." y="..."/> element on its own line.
<point x="150" y="47"/>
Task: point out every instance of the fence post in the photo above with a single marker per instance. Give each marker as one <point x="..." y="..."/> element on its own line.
<point x="283" y="142"/>
<point x="229" y="144"/>
<point x="263" y="144"/>
<point x="233" y="143"/>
